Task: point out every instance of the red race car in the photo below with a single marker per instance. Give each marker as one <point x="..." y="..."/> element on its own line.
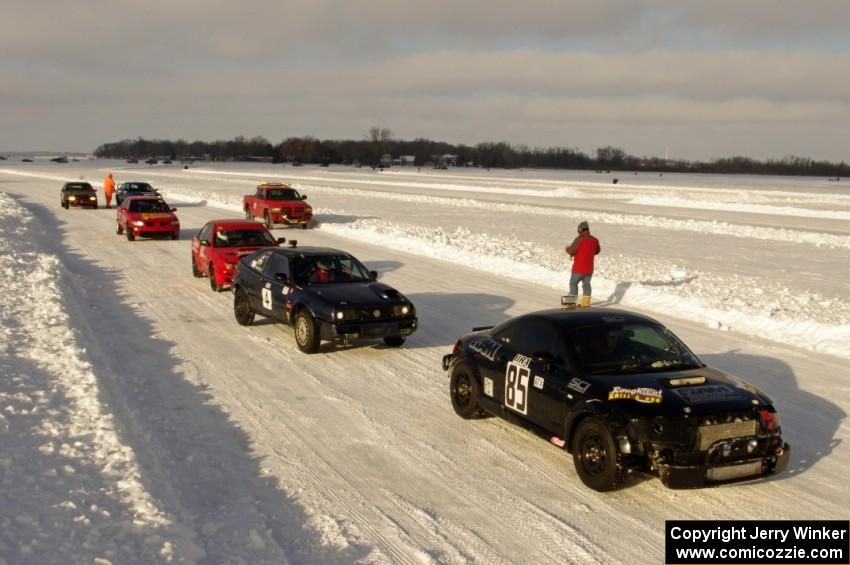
<point x="278" y="203"/>
<point x="147" y="216"/>
<point x="221" y="243"/>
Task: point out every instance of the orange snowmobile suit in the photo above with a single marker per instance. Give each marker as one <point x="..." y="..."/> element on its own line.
<point x="108" y="188"/>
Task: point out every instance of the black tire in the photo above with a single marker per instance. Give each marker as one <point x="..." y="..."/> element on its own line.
<point x="303" y="226"/>
<point x="175" y="235"/>
<point x="595" y="456"/>
<point x="248" y="215"/>
<point x="130" y="236"/>
<point x="465" y="392"/>
<point x="94" y="207"/>
<point x="306" y="332"/>
<point x="394" y="340"/>
<point x="268" y="220"/>
<point x="242" y="308"/>
<point x="120" y="230"/>
<point x="195" y="271"/>
<point x="213" y="285"/>
<point x="65" y="205"/>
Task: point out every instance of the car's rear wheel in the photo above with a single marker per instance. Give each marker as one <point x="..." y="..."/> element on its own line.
<point x="306" y="332"/>
<point x="595" y="456"/>
<point x="242" y="308"/>
<point x="268" y="219"/>
<point x="465" y="392"/>
<point x="394" y="340"/>
<point x="130" y="236"/>
<point x="248" y="213"/>
<point x="213" y="285"/>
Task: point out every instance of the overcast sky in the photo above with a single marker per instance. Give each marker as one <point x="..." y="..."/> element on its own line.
<point x="762" y="78"/>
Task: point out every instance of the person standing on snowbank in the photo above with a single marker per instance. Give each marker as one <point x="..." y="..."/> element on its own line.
<point x="582" y="250"/>
<point x="108" y="188"/>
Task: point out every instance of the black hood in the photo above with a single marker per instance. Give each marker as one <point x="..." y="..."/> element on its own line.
<point x="702" y="391"/>
<point x="358" y="295"/>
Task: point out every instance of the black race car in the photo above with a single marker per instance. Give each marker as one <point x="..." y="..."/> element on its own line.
<point x="325" y="294"/>
<point x="134" y="188"/>
<point x="621" y="393"/>
<point x="77" y="194"/>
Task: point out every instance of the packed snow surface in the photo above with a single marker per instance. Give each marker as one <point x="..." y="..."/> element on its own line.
<point x="139" y="423"/>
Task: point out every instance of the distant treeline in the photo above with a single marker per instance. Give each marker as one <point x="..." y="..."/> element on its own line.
<point x="378" y="148"/>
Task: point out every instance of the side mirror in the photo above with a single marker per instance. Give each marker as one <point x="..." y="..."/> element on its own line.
<point x="303" y="197"/>
<point x="281" y="277"/>
<point x="204" y="243"/>
<point x="374" y="275"/>
<point x="281" y="240"/>
<point x="174" y="209"/>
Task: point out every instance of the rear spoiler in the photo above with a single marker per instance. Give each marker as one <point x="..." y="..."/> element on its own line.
<point x="482" y="328"/>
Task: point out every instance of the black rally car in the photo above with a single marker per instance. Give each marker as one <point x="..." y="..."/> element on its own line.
<point x="621" y="393"/>
<point x="325" y="294"/>
<point x="80" y="194"/>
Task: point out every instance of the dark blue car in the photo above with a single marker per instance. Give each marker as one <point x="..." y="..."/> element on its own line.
<point x="133" y="188"/>
<point x="324" y="294"/>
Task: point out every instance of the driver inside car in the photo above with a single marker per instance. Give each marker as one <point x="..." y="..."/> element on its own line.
<point x="323" y="272"/>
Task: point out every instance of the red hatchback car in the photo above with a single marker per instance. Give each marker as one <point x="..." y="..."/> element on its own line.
<point x="147" y="216"/>
<point x="221" y="243"/>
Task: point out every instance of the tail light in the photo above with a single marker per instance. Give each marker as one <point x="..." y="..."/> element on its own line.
<point x="769" y="420"/>
<point x="456" y="348"/>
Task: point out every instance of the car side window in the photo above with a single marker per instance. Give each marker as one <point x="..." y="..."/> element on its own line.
<point x="276" y="264"/>
<point x="533" y="336"/>
<point x="204" y="234"/>
<point x="505" y="335"/>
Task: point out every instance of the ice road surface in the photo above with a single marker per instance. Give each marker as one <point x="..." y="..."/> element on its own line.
<point x="139" y="423"/>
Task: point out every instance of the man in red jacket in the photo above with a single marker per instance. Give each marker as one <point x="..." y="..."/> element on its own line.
<point x="583" y="249"/>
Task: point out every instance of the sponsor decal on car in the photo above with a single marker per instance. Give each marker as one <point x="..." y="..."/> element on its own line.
<point x="154" y="215"/>
<point x="488" y="386"/>
<point x="643" y="394"/>
<point x="705" y="394"/>
<point x="538" y="382"/>
<point x="578" y="385"/>
<point x="486" y="347"/>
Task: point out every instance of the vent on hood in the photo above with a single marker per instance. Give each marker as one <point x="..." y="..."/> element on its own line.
<point x="685" y="381"/>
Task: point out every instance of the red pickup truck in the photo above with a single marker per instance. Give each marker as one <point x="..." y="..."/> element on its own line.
<point x="278" y="203"/>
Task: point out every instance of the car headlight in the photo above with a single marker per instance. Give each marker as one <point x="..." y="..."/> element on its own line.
<point x="72" y="198"/>
<point x="138" y="223"/>
<point x="175" y="222"/>
<point x="92" y="197"/>
<point x="339" y="315"/>
<point x="403" y="310"/>
<point x="230" y="265"/>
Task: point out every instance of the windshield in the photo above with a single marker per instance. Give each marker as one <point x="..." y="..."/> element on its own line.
<point x="145" y="206"/>
<point x="80" y="187"/>
<point x="633" y="347"/>
<point x="243" y="238"/>
<point x="282" y="194"/>
<point x="137" y="187"/>
<point x="320" y="269"/>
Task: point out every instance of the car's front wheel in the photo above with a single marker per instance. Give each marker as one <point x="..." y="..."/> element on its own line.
<point x="465" y="392"/>
<point x="213" y="285"/>
<point x="248" y="215"/>
<point x="130" y="236"/>
<point x="242" y="308"/>
<point x="120" y="230"/>
<point x="268" y="219"/>
<point x="595" y="456"/>
<point x="394" y="340"/>
<point x="195" y="271"/>
<point x="306" y="332"/>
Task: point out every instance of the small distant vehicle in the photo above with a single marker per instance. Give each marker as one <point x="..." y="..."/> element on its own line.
<point x="324" y="294"/>
<point x="25" y="160"/>
<point x="621" y="393"/>
<point x="133" y="188"/>
<point x="278" y="203"/>
<point x="219" y="245"/>
<point x="147" y="216"/>
<point x="60" y="159"/>
<point x="132" y="161"/>
<point x="167" y="162"/>
<point x="151" y="161"/>
<point x="78" y="194"/>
